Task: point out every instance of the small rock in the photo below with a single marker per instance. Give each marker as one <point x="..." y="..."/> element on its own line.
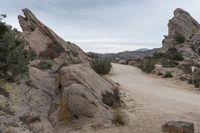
<point x="178" y="127"/>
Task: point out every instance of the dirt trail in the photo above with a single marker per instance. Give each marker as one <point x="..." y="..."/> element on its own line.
<point x="151" y="101"/>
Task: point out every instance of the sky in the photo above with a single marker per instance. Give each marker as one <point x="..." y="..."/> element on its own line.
<point x="104" y="26"/>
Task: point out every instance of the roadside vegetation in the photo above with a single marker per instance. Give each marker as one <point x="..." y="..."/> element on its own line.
<point x="101" y="66"/>
<point x="147" y="65"/>
<point x="168" y="75"/>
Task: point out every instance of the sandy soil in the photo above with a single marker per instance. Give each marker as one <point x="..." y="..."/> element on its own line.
<point x="157" y="100"/>
<point x="151" y="101"/>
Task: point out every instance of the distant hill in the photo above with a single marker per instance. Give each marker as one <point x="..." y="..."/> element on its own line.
<point x="127" y="55"/>
<point x="143" y="49"/>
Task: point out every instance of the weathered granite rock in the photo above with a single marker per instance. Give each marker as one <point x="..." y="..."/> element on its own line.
<point x="181" y="28"/>
<point x="83" y="90"/>
<point x="32" y="101"/>
<point x="43" y="40"/>
<point x="178" y="127"/>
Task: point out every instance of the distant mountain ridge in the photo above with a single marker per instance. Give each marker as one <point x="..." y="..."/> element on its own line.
<point x="143" y="49"/>
<point x="128" y="55"/>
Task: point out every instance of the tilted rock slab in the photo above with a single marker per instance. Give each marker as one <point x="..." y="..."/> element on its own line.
<point x="33" y="102"/>
<point x="182" y="25"/>
<point x="39" y="36"/>
<point x="83" y="90"/>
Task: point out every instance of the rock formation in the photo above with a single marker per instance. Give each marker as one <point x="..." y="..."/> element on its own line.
<point x="41" y="39"/>
<point x="69" y="90"/>
<point x="181" y="28"/>
<point x="181" y="48"/>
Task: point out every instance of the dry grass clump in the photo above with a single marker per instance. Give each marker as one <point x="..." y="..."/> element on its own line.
<point x="119" y="118"/>
<point x="63" y="113"/>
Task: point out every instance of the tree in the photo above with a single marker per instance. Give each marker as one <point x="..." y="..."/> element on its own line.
<point x="14" y="59"/>
<point x="2" y="16"/>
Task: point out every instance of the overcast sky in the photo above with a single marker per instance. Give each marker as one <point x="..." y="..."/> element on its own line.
<point x="104" y="25"/>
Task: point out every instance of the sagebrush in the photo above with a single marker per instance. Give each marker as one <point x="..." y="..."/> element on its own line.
<point x="101" y="66"/>
<point x="14" y="58"/>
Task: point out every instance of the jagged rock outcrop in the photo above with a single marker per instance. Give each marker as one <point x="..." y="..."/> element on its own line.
<point x="43" y="40"/>
<point x="181" y="47"/>
<point x="65" y="87"/>
<point x="181" y="28"/>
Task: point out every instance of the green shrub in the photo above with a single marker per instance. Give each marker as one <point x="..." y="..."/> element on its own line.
<point x="179" y="39"/>
<point x="147" y="66"/>
<point x="111" y="99"/>
<point x="119" y="118"/>
<point x="177" y="56"/>
<point x="13" y="57"/>
<point x="53" y="50"/>
<point x="45" y="65"/>
<point x="101" y="66"/>
<point x="3" y="29"/>
<point x="56" y="47"/>
<point x="168" y="75"/>
<point x="92" y="55"/>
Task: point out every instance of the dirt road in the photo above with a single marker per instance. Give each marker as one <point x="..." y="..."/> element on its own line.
<point x="151" y="101"/>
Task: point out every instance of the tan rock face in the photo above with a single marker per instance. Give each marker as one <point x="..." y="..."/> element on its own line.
<point x="33" y="101"/>
<point x="182" y="26"/>
<point x="83" y="90"/>
<point x="43" y="40"/>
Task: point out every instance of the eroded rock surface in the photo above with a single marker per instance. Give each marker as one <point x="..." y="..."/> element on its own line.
<point x="83" y="90"/>
<point x="65" y="87"/>
<point x="43" y="40"/>
<point x="181" y="28"/>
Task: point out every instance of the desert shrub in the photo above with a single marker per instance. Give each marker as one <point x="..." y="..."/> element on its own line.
<point x="56" y="47"/>
<point x="45" y="65"/>
<point x="160" y="74"/>
<point x="13" y="57"/>
<point x="101" y="66"/>
<point x="92" y="55"/>
<point x="52" y="51"/>
<point x="63" y="113"/>
<point x="3" y="29"/>
<point x="177" y="56"/>
<point x="179" y="39"/>
<point x="147" y="66"/>
<point x="158" y="55"/>
<point x="119" y="118"/>
<point x="168" y="75"/>
<point x="111" y="99"/>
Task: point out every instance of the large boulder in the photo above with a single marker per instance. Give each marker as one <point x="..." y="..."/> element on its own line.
<point x="84" y="91"/>
<point x="65" y="85"/>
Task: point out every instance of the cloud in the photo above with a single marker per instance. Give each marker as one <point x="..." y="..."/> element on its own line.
<point x="141" y="23"/>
